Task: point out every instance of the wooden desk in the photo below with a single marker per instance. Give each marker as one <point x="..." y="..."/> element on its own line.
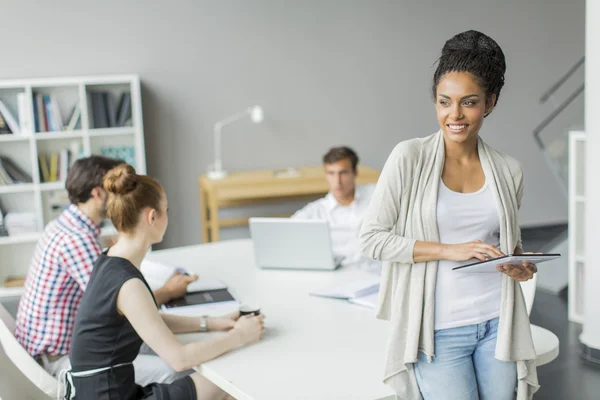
<point x="261" y="187"/>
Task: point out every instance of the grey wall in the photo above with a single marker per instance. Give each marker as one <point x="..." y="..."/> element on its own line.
<point x="326" y="73"/>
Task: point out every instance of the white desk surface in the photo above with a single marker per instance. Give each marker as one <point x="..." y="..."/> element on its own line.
<point x="316" y="348"/>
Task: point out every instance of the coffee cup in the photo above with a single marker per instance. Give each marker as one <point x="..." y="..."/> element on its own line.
<point x="247" y="309"/>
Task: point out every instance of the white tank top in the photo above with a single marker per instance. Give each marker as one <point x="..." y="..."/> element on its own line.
<point x="463" y="298"/>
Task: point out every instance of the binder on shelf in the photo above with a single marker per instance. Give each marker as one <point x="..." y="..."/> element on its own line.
<point x="124" y="109"/>
<point x="40" y="108"/>
<point x="99" y="113"/>
<point x="16" y="174"/>
<point x="9" y="118"/>
<point x="24" y="114"/>
<point x="4" y="128"/>
<point x="74" y="117"/>
<point x="51" y="124"/>
<point x="44" y="167"/>
<point x="56" y="117"/>
<point x="53" y="167"/>
<point x="111" y="110"/>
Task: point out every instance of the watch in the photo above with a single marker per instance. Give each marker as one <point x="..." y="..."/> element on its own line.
<point x="204" y="323"/>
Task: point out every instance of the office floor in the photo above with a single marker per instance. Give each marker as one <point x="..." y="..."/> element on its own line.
<point x="569" y="377"/>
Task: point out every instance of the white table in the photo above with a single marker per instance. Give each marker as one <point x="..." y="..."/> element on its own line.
<point x="315" y="348"/>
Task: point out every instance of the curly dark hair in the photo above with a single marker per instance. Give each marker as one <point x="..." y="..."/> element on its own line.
<point x="476" y="53"/>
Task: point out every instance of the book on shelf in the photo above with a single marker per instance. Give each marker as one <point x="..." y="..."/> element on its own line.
<point x="9" y="119"/>
<point x="124" y="109"/>
<point x="4" y="128"/>
<point x="11" y="173"/>
<point x="44" y="167"/>
<point x="24" y="113"/>
<point x="54" y="166"/>
<point x="56" y="117"/>
<point x="47" y="116"/>
<point x="41" y="124"/>
<point x="74" y="117"/>
<point x="3" y="231"/>
<point x="111" y="110"/>
<point x="105" y="111"/>
<point x="99" y="113"/>
<point x="14" y="281"/>
<point x="20" y="223"/>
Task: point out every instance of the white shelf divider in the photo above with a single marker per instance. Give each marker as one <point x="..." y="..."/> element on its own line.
<point x="11" y="292"/>
<point x="17" y="188"/>
<point x="14" y="138"/>
<point x="112" y="131"/>
<point x="47" y="186"/>
<point x="24" y="238"/>
<point x="59" y="135"/>
<point x="576" y="232"/>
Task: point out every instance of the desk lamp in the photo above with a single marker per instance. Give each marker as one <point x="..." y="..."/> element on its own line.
<point x="256" y="115"/>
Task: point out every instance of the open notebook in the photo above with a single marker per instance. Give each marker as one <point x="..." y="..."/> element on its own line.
<point x="205" y="296"/>
<point x="363" y="292"/>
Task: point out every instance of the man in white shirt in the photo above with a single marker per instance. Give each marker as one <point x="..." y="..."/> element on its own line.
<point x="344" y="207"/>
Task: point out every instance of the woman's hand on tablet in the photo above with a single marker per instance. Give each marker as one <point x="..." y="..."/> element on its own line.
<point x="519" y="273"/>
<point x="470" y="250"/>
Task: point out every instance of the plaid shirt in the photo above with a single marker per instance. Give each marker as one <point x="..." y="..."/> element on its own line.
<point x="59" y="273"/>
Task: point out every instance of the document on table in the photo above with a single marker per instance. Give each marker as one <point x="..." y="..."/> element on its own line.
<point x="369" y="301"/>
<point x="157" y="274"/>
<point x="350" y="289"/>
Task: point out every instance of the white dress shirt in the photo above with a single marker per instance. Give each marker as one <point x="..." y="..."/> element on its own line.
<point x="344" y="225"/>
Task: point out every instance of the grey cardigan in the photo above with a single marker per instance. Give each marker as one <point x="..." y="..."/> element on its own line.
<point x="402" y="211"/>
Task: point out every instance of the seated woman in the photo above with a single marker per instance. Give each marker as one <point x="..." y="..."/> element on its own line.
<point x="118" y="312"/>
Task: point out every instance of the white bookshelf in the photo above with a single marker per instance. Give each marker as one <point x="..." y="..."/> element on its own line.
<point x="576" y="225"/>
<point x="23" y="148"/>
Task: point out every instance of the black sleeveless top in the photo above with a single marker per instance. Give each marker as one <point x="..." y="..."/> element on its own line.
<point x="101" y="336"/>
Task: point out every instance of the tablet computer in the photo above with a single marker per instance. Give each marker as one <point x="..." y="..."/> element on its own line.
<point x="491" y="264"/>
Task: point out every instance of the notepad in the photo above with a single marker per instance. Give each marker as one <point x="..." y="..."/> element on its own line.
<point x="350" y="290"/>
<point x="369" y="301"/>
<point x="209" y="302"/>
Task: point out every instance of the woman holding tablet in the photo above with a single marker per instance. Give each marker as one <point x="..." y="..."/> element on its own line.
<point x="440" y="202"/>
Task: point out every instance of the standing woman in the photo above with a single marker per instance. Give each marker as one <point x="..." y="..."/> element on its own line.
<point x="118" y="310"/>
<point x="441" y="201"/>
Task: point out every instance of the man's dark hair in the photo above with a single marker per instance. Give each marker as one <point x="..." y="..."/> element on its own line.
<point x="478" y="54"/>
<point x="336" y="154"/>
<point x="86" y="174"/>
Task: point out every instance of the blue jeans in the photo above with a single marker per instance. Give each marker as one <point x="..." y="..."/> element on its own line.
<point x="464" y="366"/>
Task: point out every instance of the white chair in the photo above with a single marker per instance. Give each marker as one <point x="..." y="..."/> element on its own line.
<point x="21" y="359"/>
<point x="545" y="342"/>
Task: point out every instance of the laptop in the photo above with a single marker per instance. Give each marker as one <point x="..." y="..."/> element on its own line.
<point x="292" y="243"/>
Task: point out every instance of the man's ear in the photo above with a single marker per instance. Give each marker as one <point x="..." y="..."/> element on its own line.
<point x="97" y="193"/>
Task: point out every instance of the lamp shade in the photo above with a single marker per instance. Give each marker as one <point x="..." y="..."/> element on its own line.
<point x="256" y="114"/>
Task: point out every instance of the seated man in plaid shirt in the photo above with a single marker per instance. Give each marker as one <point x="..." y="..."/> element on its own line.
<point x="60" y="270"/>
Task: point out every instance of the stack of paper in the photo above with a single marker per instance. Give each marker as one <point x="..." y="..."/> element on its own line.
<point x="369" y="301"/>
<point x="351" y="290"/>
